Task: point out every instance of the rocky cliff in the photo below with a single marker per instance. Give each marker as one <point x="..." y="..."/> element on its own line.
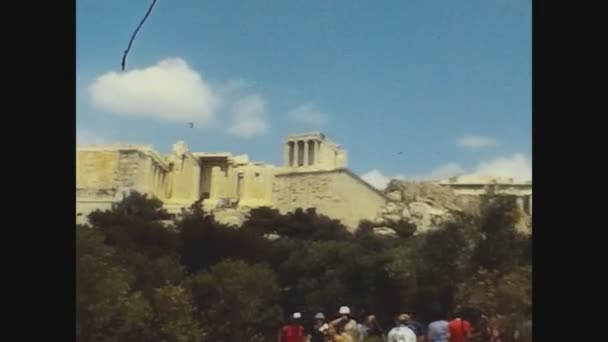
<point x="427" y="205"/>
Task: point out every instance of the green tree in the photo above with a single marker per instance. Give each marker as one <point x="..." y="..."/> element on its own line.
<point x="501" y="247"/>
<point x="301" y="225"/>
<point x="107" y="308"/>
<point x="175" y="315"/>
<point x="237" y="301"/>
<point x="506" y="294"/>
<point x="204" y="242"/>
<point x="402" y="272"/>
<point x="135" y="224"/>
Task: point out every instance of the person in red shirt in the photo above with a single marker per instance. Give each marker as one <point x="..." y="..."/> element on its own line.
<point x="293" y="332"/>
<point x="460" y="329"/>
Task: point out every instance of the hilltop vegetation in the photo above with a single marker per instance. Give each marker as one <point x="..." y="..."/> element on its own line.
<point x="196" y="280"/>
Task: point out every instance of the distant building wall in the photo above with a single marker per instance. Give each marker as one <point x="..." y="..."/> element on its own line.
<point x="104" y="174"/>
<point x="338" y="194"/>
<point x="477" y="186"/>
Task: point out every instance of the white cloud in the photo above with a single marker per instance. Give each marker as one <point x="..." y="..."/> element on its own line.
<point x="444" y="171"/>
<point x="249" y="117"/>
<point x="475" y="142"/>
<point x="308" y="114"/>
<point x="87" y="138"/>
<point x="378" y="180"/>
<point x="233" y="87"/>
<point x="169" y="90"/>
<point x="517" y="166"/>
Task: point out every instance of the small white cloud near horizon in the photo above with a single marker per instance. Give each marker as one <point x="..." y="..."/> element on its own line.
<point x="378" y="180"/>
<point x="170" y="90"/>
<point x="308" y="114"/>
<point x="249" y="117"/>
<point x="476" y="142"/>
<point x="516" y="166"/>
<point x="443" y="171"/>
<point x="233" y="87"/>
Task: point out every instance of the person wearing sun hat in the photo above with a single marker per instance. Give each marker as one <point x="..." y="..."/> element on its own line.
<point x="347" y="323"/>
<point x="293" y="332"/>
<point x="320" y="329"/>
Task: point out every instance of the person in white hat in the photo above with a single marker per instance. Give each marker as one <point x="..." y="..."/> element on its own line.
<point x="293" y="332"/>
<point x="348" y="325"/>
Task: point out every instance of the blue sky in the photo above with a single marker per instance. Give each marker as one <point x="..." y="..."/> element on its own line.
<point x="445" y="83"/>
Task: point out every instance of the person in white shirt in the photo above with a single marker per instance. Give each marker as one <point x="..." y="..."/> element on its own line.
<point x="401" y="333"/>
<point x="350" y="327"/>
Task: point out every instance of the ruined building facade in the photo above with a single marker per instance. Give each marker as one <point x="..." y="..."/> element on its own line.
<point x="479" y="186"/>
<point x="314" y="175"/>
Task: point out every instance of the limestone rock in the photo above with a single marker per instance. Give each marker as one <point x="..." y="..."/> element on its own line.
<point x="230" y="217"/>
<point x="428" y="201"/>
<point x="434" y="195"/>
<point x="419" y="209"/>
<point x="379" y="220"/>
<point x="424" y="225"/>
<point x="392" y="208"/>
<point x="427" y="205"/>
<point x="405" y="213"/>
<point x="435" y="211"/>
<point x="392" y="218"/>
<point x="386" y="231"/>
<point x="395" y="196"/>
<point x="437" y="220"/>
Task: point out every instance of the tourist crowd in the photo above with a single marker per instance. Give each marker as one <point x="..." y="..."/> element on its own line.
<point x="343" y="327"/>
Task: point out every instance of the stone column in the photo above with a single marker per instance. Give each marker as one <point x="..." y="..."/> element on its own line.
<point x="296" y="153"/>
<point x="156" y="173"/>
<point x="317" y="152"/>
<point x="163" y="192"/>
<point x="216" y="184"/>
<point x="305" y="143"/>
<point x="520" y="202"/>
<point x="159" y="185"/>
<point x="286" y="154"/>
<point x="310" y="147"/>
<point x="196" y="182"/>
<point x="149" y="176"/>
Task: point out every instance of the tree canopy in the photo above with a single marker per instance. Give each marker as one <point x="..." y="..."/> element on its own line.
<point x="141" y="277"/>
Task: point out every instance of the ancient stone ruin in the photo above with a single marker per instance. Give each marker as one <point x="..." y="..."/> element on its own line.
<point x="428" y="205"/>
<point x="314" y="174"/>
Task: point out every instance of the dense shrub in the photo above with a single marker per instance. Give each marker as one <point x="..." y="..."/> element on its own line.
<point x="197" y="280"/>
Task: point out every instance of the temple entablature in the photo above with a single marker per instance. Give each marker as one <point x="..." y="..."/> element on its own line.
<point x="312" y="151"/>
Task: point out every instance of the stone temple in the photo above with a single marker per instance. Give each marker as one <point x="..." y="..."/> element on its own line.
<point x="314" y="174"/>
